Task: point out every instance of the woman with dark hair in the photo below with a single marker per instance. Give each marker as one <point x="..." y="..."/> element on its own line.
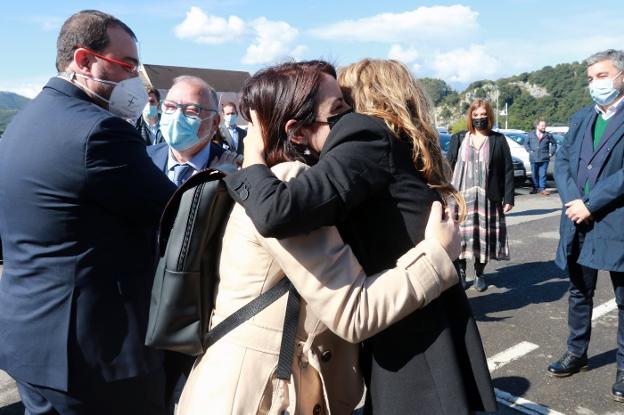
<point x="378" y="173"/>
<point x="483" y="173"/>
<point x="291" y="103"/>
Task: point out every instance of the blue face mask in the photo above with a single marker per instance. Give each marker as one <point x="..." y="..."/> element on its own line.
<point x="150" y="111"/>
<point x="180" y="131"/>
<point x="602" y="90"/>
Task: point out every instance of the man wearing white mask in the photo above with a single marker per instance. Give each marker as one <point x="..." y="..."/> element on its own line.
<point x="232" y="134"/>
<point x="148" y="124"/>
<point x="590" y="181"/>
<point x="78" y="222"/>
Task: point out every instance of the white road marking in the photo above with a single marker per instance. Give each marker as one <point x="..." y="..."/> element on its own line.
<point x="523" y="405"/>
<point x="509" y="355"/>
<point x="603" y="309"/>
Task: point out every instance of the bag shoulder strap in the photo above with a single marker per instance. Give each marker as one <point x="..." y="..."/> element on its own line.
<point x="287" y="348"/>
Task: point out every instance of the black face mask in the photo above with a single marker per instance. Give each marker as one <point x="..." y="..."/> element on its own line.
<point x="480" y="123"/>
<point x="331" y="121"/>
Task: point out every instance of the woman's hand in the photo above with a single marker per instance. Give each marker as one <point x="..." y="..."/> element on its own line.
<point x="507" y="207"/>
<point x="254" y="143"/>
<point x="444" y="229"/>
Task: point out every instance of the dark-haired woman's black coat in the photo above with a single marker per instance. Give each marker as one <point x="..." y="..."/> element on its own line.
<point x="432" y="362"/>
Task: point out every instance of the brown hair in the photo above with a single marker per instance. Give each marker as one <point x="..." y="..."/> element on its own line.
<point x="478" y="103"/>
<point x="85" y="29"/>
<point x="280" y="93"/>
<point x="229" y="104"/>
<point x="386" y="89"/>
<point x="154" y="91"/>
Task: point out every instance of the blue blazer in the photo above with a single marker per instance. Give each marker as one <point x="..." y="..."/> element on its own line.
<point x="603" y="248"/>
<point x="159" y="154"/>
<point x="79" y="202"/>
<point x="540" y="151"/>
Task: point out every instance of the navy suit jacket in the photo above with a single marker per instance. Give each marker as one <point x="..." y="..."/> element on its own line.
<point x="79" y="202"/>
<point x="159" y="154"/>
<point x="229" y="142"/>
<point x="604" y="241"/>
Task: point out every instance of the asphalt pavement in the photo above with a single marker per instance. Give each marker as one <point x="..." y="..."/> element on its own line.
<point x="522" y="319"/>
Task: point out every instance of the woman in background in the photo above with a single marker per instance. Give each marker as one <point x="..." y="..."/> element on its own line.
<point x="483" y="173"/>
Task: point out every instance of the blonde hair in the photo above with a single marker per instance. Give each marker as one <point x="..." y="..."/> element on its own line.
<point x="386" y="89"/>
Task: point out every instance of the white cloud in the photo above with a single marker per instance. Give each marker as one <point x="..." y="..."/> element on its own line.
<point x="202" y="28"/>
<point x="272" y="41"/>
<point x="28" y="88"/>
<point x="407" y="55"/>
<point x="466" y="65"/>
<point x="436" y="23"/>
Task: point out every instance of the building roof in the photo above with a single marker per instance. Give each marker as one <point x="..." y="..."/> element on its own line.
<point x="161" y="77"/>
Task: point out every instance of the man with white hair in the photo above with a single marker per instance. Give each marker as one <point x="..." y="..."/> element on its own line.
<point x="189" y="120"/>
<point x="590" y="180"/>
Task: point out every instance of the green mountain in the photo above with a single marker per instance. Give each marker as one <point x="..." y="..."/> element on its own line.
<point x="553" y="93"/>
<point x="10" y="104"/>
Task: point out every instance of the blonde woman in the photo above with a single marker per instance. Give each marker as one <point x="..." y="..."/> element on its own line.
<point x="378" y="173"/>
<point x="237" y="373"/>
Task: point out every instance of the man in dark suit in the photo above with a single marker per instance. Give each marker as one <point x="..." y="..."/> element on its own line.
<point x="541" y="146"/>
<point x="148" y="124"/>
<point x="232" y="134"/>
<point x="77" y="224"/>
<point x="590" y="180"/>
<point x="189" y="120"/>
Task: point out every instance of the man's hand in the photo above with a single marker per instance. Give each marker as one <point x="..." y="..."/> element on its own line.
<point x="227" y="163"/>
<point x="577" y="212"/>
<point x="507" y="207"/>
<point x="444" y="229"/>
<point x="254" y="143"/>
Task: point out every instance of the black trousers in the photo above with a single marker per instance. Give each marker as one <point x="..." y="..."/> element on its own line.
<point x="142" y="395"/>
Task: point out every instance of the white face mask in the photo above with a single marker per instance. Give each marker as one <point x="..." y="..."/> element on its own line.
<point x="603" y="91"/>
<point x="127" y="99"/>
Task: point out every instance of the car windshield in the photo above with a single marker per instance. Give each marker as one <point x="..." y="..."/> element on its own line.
<point x="519" y="138"/>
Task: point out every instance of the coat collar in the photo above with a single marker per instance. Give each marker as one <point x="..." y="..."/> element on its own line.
<point x="67" y="88"/>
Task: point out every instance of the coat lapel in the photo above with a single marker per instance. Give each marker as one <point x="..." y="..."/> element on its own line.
<point x="614" y="132"/>
<point x="582" y="134"/>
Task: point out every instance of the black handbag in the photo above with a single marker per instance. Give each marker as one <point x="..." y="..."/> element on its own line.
<point x="184" y="288"/>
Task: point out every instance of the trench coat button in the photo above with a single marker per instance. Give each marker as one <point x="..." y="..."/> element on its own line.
<point x="326" y="356"/>
<point x="317" y="409"/>
<point x="589" y="167"/>
<point x="243" y="193"/>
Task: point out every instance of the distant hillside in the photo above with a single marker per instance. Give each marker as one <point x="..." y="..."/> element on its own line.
<point x="554" y="93"/>
<point x="10" y="104"/>
<point x="12" y="101"/>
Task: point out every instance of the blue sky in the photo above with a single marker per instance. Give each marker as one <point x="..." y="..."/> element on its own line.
<point x="456" y="41"/>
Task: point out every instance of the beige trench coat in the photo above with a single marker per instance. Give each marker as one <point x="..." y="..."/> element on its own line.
<point x="340" y="306"/>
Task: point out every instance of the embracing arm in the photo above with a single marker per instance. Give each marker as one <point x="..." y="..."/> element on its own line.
<point x="354" y="164"/>
<point x="353" y="306"/>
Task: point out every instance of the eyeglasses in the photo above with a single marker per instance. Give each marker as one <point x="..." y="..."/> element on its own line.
<point x="131" y="68"/>
<point x="333" y="119"/>
<point x="189" y="110"/>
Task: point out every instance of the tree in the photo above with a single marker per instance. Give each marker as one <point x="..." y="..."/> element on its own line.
<point x="437" y="89"/>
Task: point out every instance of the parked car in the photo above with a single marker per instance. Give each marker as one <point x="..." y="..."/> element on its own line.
<point x="520" y="173"/>
<point x="445" y="140"/>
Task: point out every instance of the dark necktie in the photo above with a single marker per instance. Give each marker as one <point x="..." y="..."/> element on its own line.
<point x="181" y="172"/>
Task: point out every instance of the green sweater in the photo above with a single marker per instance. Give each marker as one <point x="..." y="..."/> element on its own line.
<point x="599" y="129"/>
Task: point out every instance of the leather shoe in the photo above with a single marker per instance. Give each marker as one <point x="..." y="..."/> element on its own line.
<point x="480" y="284"/>
<point x="545" y="193"/>
<point x="533" y="191"/>
<point x="617" y="390"/>
<point x="568" y="365"/>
